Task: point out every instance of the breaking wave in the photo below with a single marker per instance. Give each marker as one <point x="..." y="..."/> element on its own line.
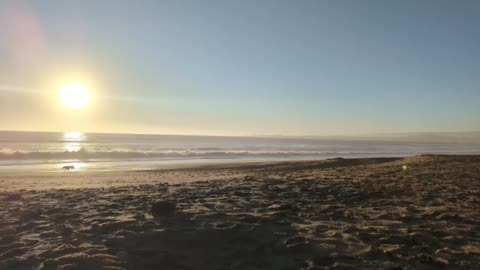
<point x="84" y="154"/>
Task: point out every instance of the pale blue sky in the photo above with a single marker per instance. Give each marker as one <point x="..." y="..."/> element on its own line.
<point x="244" y="67"/>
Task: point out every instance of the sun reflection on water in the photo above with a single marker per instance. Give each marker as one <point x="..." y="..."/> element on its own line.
<point x="78" y="165"/>
<point x="73" y="136"/>
<point x="73" y="142"/>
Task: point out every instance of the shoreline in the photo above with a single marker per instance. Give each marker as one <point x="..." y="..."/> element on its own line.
<point x="178" y="173"/>
<point x="154" y="164"/>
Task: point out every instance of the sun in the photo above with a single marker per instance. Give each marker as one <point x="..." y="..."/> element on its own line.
<point x="74" y="96"/>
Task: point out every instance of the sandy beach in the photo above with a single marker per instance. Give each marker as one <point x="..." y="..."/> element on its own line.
<point x="421" y="212"/>
<point x="239" y="135"/>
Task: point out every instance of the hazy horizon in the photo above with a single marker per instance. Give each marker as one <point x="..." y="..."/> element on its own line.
<point x="467" y="137"/>
<point x="361" y="134"/>
<point x="241" y="68"/>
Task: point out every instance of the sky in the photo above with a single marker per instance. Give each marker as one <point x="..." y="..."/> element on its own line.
<point x="296" y="68"/>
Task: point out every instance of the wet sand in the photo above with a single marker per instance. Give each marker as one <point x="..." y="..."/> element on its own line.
<point x="334" y="214"/>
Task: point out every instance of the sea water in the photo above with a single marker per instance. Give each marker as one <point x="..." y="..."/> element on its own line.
<point x="49" y="151"/>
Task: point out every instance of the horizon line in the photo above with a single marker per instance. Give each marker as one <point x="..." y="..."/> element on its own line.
<point x="347" y="136"/>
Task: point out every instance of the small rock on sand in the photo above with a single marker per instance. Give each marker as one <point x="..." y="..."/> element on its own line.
<point x="163" y="209"/>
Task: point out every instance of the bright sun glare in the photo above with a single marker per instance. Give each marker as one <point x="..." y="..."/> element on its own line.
<point x="74" y="96"/>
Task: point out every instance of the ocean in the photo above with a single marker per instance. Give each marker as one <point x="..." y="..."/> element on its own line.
<point x="49" y="151"/>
